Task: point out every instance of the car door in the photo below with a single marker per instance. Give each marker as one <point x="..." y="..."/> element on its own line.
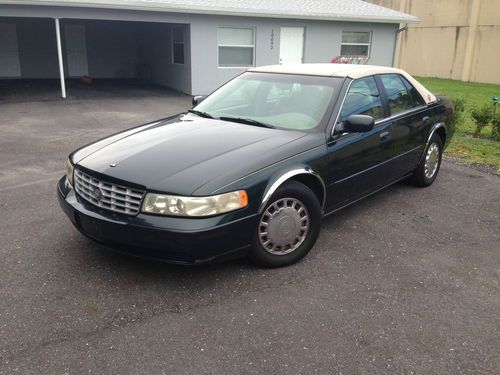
<point x="410" y="119"/>
<point x="357" y="161"/>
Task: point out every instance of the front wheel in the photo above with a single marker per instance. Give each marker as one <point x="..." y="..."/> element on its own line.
<point x="288" y="226"/>
<point x="428" y="169"/>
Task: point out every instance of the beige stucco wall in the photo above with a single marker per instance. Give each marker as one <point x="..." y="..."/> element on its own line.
<point x="457" y="39"/>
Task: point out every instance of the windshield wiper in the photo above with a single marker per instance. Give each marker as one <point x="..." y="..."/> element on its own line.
<point x="248" y="121"/>
<point x="200" y="113"/>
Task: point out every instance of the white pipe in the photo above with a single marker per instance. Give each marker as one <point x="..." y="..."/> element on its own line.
<point x="59" y="55"/>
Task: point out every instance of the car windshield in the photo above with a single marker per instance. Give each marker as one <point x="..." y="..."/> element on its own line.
<point x="285" y="101"/>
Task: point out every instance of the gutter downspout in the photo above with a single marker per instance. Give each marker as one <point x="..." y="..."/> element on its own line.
<point x="59" y="55"/>
<point x="397" y="46"/>
<point x="404" y="7"/>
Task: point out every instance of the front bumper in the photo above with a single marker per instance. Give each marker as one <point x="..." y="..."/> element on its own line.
<point x="169" y="239"/>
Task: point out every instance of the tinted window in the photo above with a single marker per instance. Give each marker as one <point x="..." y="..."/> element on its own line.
<point x="415" y="95"/>
<point x="363" y="98"/>
<point x="397" y="94"/>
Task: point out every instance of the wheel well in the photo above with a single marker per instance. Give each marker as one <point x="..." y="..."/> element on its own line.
<point x="441" y="131"/>
<point x="313" y="183"/>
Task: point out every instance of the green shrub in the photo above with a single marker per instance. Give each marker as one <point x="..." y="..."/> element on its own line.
<point x="457" y="118"/>
<point x="458" y="103"/>
<point x="482" y="117"/>
<point x="495" y="124"/>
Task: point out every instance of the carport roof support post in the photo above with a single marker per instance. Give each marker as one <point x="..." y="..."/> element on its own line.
<point x="59" y="55"/>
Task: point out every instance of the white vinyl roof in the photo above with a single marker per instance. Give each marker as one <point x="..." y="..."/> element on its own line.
<point x="353" y="71"/>
<point x="334" y="10"/>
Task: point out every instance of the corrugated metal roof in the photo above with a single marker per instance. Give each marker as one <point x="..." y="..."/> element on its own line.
<point x="338" y="10"/>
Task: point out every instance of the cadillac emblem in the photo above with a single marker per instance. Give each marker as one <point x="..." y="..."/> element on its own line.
<point x="97" y="194"/>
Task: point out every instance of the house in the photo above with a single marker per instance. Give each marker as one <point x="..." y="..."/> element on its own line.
<point x="192" y="46"/>
<point x="455" y="39"/>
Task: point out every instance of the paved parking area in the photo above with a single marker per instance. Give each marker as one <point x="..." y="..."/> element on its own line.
<point x="406" y="281"/>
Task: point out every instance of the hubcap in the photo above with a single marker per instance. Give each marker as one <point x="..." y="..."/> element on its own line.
<point x="283" y="226"/>
<point x="431" y="160"/>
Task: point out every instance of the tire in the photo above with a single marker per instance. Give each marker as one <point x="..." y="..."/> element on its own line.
<point x="428" y="169"/>
<point x="291" y="209"/>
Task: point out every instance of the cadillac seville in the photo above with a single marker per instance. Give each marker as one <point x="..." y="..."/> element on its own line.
<point x="253" y="168"/>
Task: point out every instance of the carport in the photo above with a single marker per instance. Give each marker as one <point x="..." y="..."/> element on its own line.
<point x="89" y="50"/>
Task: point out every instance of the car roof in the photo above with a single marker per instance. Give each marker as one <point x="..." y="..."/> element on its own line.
<point x="353" y="71"/>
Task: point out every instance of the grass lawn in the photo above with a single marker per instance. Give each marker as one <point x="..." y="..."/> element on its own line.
<point x="468" y="149"/>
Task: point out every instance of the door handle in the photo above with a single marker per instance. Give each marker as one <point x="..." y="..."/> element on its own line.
<point x="385" y="136"/>
<point x="426" y="120"/>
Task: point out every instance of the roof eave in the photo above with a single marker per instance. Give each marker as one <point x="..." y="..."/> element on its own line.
<point x="209" y="11"/>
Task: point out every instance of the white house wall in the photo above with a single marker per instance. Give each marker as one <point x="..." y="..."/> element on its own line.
<point x="200" y="74"/>
<point x="322" y="42"/>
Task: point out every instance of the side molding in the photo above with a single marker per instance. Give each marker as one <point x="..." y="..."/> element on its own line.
<point x="286" y="176"/>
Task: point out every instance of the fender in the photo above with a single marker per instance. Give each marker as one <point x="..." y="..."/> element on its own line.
<point x="275" y="183"/>
<point x="435" y="127"/>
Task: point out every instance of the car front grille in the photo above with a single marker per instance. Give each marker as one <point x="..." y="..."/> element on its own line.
<point x="110" y="196"/>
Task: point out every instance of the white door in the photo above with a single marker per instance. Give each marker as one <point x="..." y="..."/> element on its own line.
<point x="291" y="45"/>
<point x="76" y="50"/>
<point x="9" y="52"/>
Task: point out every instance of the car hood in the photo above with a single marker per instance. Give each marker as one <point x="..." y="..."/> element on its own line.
<point x="181" y="155"/>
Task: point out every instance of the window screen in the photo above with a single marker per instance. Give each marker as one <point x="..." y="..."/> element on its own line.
<point x="355" y="43"/>
<point x="236" y="47"/>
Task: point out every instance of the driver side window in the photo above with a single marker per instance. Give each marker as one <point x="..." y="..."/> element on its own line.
<point x="363" y="98"/>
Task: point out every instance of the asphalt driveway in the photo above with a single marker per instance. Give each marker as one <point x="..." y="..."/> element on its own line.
<point x="406" y="281"/>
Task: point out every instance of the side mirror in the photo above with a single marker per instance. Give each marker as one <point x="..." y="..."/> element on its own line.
<point x="359" y="124"/>
<point x="197" y="99"/>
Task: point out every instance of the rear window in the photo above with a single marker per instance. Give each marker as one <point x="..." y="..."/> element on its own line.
<point x="402" y="96"/>
<point x="415" y="95"/>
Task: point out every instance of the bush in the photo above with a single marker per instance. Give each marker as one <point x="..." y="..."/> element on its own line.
<point x="459" y="104"/>
<point x="495" y="123"/>
<point x="482" y="117"/>
<point x="458" y="115"/>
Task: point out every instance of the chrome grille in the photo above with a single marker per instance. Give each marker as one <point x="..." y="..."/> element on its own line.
<point x="110" y="196"/>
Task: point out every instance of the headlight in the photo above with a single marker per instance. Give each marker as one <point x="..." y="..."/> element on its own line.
<point x="69" y="171"/>
<point x="171" y="205"/>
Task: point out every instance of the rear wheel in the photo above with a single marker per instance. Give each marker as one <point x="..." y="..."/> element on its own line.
<point x="288" y="226"/>
<point x="428" y="169"/>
